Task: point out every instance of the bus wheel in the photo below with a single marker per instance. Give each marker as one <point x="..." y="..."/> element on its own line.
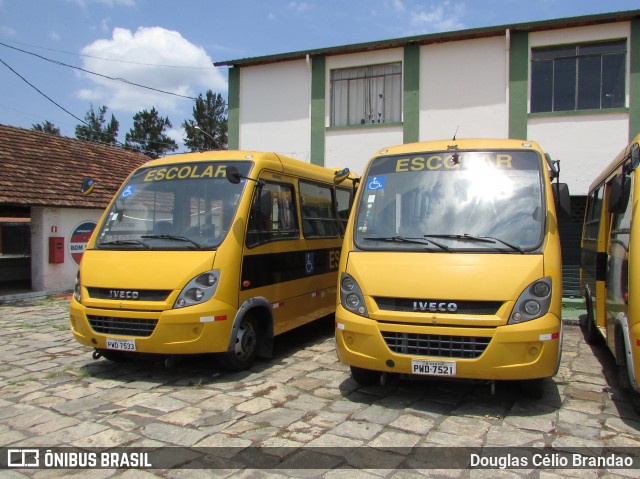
<point x="533" y="388"/>
<point x="113" y="355"/>
<point x="245" y="348"/>
<point x="365" y="376"/>
<point x="635" y="401"/>
<point x="591" y="334"/>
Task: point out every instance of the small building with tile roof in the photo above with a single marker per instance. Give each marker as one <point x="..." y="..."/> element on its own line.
<point x="43" y="208"/>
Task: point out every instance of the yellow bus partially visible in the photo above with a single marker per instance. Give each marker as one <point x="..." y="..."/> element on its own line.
<point x="451" y="265"/>
<point x="608" y="273"/>
<point x="213" y="252"/>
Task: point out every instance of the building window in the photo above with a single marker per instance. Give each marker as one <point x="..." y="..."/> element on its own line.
<point x="366" y="95"/>
<point x="587" y="76"/>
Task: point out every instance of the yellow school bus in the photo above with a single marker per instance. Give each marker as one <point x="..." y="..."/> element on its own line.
<point x="607" y="272"/>
<point x="451" y="264"/>
<point x="212" y="252"/>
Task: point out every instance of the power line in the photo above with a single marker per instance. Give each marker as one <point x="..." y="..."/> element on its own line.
<point x="111" y="59"/>
<point x="123" y="80"/>
<point x="74" y="116"/>
<point x="42" y="93"/>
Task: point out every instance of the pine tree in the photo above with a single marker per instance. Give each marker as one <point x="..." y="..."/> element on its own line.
<point x="46" y="127"/>
<point x="96" y="129"/>
<point x="208" y="129"/>
<point x="148" y="134"/>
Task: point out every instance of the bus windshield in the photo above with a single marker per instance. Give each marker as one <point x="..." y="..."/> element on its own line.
<point x="451" y="201"/>
<point x="183" y="206"/>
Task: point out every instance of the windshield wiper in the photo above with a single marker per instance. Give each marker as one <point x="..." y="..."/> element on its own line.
<point x="174" y="238"/>
<point x="479" y="239"/>
<point x="126" y="242"/>
<point x="402" y="239"/>
<point x="514" y="247"/>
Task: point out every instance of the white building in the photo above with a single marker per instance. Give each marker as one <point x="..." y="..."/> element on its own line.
<point x="571" y="84"/>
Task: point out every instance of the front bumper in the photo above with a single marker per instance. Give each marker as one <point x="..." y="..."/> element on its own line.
<point x="521" y="351"/>
<point x="204" y="328"/>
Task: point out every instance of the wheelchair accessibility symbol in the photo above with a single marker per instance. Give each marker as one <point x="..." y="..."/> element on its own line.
<point x="377" y="183"/>
<point x="309" y="263"/>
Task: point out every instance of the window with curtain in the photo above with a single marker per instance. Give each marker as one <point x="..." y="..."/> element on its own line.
<point x="586" y="76"/>
<point x="366" y="95"/>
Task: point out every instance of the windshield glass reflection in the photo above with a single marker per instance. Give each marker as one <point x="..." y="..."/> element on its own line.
<point x="184" y="206"/>
<point x="460" y="200"/>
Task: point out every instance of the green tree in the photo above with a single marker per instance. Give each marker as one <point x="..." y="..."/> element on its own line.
<point x="96" y="127"/>
<point x="46" y="127"/>
<point x="208" y="129"/>
<point x="148" y="134"/>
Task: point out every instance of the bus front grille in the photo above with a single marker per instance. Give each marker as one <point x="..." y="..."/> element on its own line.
<point x="404" y="305"/>
<point x="463" y="347"/>
<point x="132" y="295"/>
<point x="141" y="328"/>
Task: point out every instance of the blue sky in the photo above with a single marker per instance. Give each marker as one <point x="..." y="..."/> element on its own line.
<point x="170" y="45"/>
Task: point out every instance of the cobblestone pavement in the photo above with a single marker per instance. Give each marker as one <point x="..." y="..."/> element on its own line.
<point x="52" y="393"/>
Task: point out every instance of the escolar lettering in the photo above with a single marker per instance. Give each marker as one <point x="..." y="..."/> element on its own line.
<point x="186" y="171"/>
<point x="441" y="162"/>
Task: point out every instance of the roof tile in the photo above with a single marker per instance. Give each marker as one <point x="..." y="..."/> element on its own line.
<point x="40" y="169"/>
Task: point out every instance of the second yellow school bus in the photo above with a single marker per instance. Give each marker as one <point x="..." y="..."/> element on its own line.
<point x="451" y="264"/>
<point x="213" y="252"/>
<point x="608" y="271"/>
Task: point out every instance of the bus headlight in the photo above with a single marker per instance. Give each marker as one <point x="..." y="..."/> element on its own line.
<point x="77" y="292"/>
<point x="199" y="290"/>
<point x="351" y="297"/>
<point x="534" y="302"/>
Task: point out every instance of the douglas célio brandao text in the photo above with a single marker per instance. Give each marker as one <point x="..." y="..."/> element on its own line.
<point x="550" y="460"/>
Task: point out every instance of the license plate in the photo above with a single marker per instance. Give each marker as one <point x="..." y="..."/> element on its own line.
<point x="433" y="368"/>
<point x="121" y="344"/>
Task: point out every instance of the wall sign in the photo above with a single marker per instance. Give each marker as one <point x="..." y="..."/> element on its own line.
<point x="79" y="239"/>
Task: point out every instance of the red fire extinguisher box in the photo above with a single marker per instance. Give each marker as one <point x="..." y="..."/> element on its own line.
<point x="56" y="249"/>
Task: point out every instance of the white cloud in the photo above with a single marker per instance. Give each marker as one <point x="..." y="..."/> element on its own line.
<point x="149" y="57"/>
<point x="109" y="3"/>
<point x="55" y="36"/>
<point x="397" y="5"/>
<point x="299" y="6"/>
<point x="104" y="25"/>
<point x="444" y="17"/>
<point x="271" y="16"/>
<point x="7" y="31"/>
<point x="117" y="3"/>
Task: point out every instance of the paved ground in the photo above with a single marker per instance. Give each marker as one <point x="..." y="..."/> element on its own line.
<point x="52" y="393"/>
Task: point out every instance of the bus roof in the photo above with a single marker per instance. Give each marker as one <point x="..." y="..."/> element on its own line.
<point x="461" y="144"/>
<point x="266" y="160"/>
<point x="614" y="164"/>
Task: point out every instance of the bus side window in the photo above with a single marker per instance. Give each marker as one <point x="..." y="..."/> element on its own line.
<point x="593" y="214"/>
<point x="273" y="215"/>
<point x="318" y="211"/>
<point x="344" y="200"/>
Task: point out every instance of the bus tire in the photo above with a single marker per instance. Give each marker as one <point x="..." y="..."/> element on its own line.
<point x="533" y="388"/>
<point x="117" y="356"/>
<point x="635" y="401"/>
<point x="589" y="329"/>
<point x="365" y="377"/>
<point x="245" y="347"/>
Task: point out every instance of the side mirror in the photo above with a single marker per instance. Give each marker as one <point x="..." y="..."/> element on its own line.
<point x="635" y="156"/>
<point x="619" y="191"/>
<point x="340" y="175"/>
<point x="87" y="186"/>
<point x="233" y="175"/>
<point x="562" y="198"/>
